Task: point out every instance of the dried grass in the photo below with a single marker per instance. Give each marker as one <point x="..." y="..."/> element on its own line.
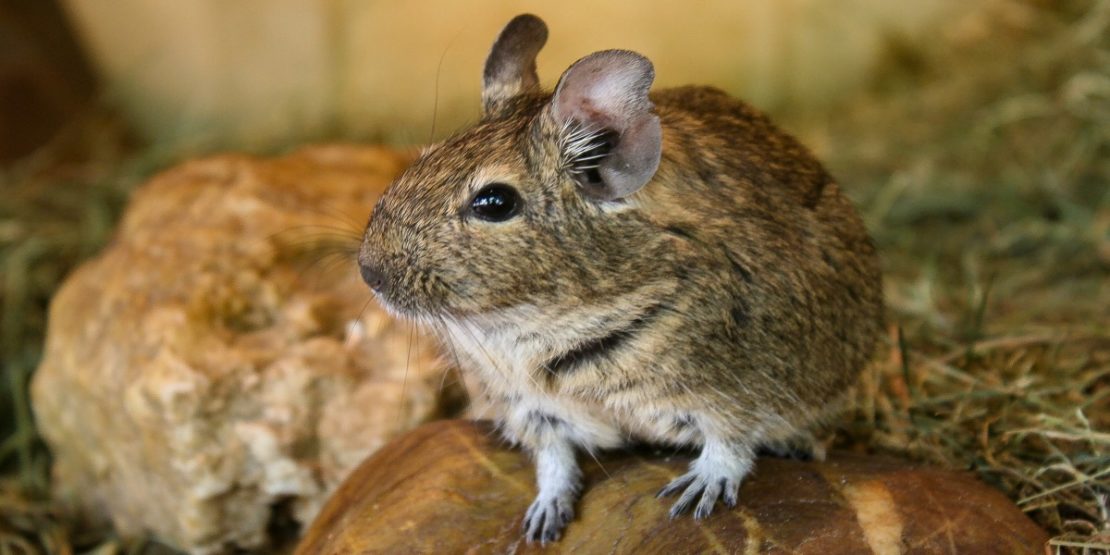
<point x="984" y="172"/>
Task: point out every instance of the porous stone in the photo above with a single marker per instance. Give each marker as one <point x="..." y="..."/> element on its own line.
<point x="453" y="487"/>
<point x="221" y="361"/>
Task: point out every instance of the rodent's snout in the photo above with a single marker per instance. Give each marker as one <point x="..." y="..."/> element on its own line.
<point x="371" y="258"/>
<point x="373" y="277"/>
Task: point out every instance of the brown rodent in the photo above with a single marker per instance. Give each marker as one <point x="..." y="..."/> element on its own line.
<point x="615" y="266"/>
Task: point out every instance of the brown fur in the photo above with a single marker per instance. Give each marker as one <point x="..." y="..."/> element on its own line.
<point x="735" y="296"/>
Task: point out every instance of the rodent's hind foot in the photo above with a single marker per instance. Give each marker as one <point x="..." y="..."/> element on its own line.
<point x="802" y="447"/>
<point x="715" y="474"/>
<point x="548" y="517"/>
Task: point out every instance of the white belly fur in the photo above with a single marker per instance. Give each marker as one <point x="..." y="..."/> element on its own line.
<point x="504" y="366"/>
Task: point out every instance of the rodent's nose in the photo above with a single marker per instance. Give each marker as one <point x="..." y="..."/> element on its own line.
<point x="374" y="278"/>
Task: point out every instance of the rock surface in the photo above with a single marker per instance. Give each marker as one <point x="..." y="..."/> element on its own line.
<point x="453" y="487"/>
<point x="221" y="361"/>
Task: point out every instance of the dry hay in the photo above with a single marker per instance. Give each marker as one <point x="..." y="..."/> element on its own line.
<point x="985" y="172"/>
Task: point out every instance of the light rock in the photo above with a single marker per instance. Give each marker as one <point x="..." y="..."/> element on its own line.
<point x="222" y="358"/>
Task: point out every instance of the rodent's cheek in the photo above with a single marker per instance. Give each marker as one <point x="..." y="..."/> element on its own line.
<point x="466" y="289"/>
<point x="461" y="291"/>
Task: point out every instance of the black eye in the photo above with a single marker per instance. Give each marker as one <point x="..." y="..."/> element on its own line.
<point x="495" y="202"/>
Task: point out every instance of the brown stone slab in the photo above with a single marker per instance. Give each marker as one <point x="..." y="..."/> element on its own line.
<point x="455" y="487"/>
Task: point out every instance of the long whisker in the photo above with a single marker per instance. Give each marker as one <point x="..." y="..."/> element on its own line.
<point x="462" y="325"/>
<point x="439" y="68"/>
<point x="438" y="327"/>
<point x="593" y="456"/>
<point x="364" y="307"/>
<point x="342" y="231"/>
<point x="531" y="378"/>
<point x="323" y="239"/>
<point x="405" y="378"/>
<point x="344" y="218"/>
<point x="326" y="263"/>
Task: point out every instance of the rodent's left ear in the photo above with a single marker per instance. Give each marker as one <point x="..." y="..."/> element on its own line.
<point x="511" y="64"/>
<point x="611" y="139"/>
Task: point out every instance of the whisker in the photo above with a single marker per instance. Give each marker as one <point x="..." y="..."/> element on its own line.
<point x="405" y="378"/>
<point x="593" y="456"/>
<point x="439" y="68"/>
<point x="344" y="229"/>
<point x="364" y="307"/>
<point x="594" y="157"/>
<point x="531" y="378"/>
<point x="489" y="358"/>
<point x="454" y="355"/>
<point x="316" y="247"/>
<point x="311" y="234"/>
<point x="323" y="265"/>
<point x="343" y="217"/>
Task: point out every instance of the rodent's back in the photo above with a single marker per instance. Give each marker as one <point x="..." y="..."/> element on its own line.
<point x="715" y="135"/>
<point x="775" y="236"/>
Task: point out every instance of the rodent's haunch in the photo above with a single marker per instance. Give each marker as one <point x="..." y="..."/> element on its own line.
<point x="621" y="266"/>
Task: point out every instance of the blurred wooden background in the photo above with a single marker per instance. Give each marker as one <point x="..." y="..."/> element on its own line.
<point x="44" y="77"/>
<point x="259" y="72"/>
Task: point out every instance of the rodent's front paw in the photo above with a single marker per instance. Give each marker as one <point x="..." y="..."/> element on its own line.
<point x="547" y="517"/>
<point x="715" y="474"/>
<point x="707" y="486"/>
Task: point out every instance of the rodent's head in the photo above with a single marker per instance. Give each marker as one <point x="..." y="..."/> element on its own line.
<point x="531" y="206"/>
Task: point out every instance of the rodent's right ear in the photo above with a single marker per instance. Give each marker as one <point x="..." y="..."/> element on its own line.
<point x="611" y="139"/>
<point x="511" y="65"/>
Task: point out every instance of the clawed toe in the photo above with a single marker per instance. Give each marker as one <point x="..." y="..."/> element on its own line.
<point x="700" y="492"/>
<point x="709" y="497"/>
<point x="546" y="519"/>
<point x="731" y="495"/>
<point x="678" y="483"/>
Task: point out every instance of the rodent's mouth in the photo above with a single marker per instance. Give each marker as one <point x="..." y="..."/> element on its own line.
<point x="402" y="309"/>
<point x="420" y="309"/>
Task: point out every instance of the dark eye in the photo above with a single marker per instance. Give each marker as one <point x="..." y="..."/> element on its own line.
<point x="495" y="202"/>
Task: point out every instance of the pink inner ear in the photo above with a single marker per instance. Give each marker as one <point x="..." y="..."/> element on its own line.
<point x="586" y="111"/>
<point x="609" y="91"/>
<point x="606" y="89"/>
